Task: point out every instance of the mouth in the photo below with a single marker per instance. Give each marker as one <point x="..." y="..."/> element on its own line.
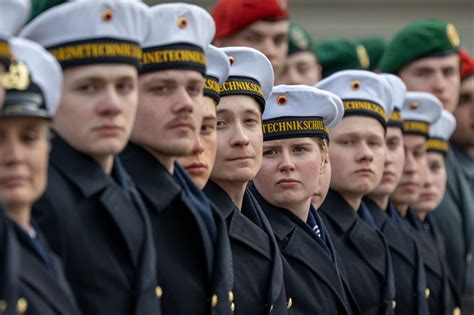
<point x="108" y="129"/>
<point x="196" y="168"/>
<point x="409" y="185"/>
<point x="13" y="181"/>
<point x="240" y="158"/>
<point x="427" y="196"/>
<point x="182" y="125"/>
<point x="288" y="182"/>
<point x="364" y="172"/>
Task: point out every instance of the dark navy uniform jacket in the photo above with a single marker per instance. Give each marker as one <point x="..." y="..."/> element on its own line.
<point x="364" y="253"/>
<point x="194" y="261"/>
<point x="410" y="279"/>
<point x="31" y="277"/>
<point x="314" y="277"/>
<point x="258" y="271"/>
<point x="98" y="226"/>
<point x="443" y="298"/>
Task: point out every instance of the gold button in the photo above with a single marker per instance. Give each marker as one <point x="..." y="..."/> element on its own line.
<point x="456" y="311"/>
<point x="159" y="292"/>
<point x="289" y="304"/>
<point x="394" y="304"/>
<point x="21" y="306"/>
<point x="427" y="293"/>
<point x="231" y="296"/>
<point x="214" y="300"/>
<point x="3" y="305"/>
<point x="232" y="307"/>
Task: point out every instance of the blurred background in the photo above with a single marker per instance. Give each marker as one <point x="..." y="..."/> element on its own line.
<point x="361" y="18"/>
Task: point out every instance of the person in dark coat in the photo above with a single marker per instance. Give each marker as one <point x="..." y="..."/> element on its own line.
<point x="32" y="277"/>
<point x="194" y="258"/>
<point x="427" y="232"/>
<point x="258" y="273"/>
<point x="410" y="281"/>
<point x="455" y="215"/>
<point x="357" y="156"/>
<point x="91" y="213"/>
<point x="419" y="111"/>
<point x="294" y="126"/>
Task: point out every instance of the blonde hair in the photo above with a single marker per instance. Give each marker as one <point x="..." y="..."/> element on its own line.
<point x="323" y="148"/>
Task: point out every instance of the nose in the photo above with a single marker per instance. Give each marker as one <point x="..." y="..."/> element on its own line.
<point x="110" y="104"/>
<point x="365" y="153"/>
<point x="239" y="137"/>
<point x="410" y="163"/>
<point x="287" y="164"/>
<point x="183" y="102"/>
<point x="12" y="153"/>
<point x="198" y="146"/>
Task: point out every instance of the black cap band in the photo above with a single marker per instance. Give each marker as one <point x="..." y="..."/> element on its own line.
<point x="94" y="51"/>
<point x="175" y="56"/>
<point x="437" y="145"/>
<point x="293" y="127"/>
<point x="365" y="108"/>
<point x="395" y="119"/>
<point x="236" y="85"/>
<point x="416" y="128"/>
<point x="211" y="89"/>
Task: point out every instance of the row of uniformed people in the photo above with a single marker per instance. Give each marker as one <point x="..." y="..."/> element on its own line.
<point x="185" y="197"/>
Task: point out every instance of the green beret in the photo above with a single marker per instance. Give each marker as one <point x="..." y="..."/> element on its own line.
<point x="336" y="53"/>
<point x="422" y="38"/>
<point x="298" y="39"/>
<point x="39" y="6"/>
<point x="375" y="47"/>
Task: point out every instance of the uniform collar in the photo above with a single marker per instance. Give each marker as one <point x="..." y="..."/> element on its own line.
<point x="148" y="174"/>
<point x="336" y="208"/>
<point x="79" y="168"/>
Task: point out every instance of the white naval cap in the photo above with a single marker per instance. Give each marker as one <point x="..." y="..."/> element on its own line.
<point x="13" y="15"/>
<point x="300" y="111"/>
<point x="398" y="91"/>
<point x="180" y="33"/>
<point x="251" y="73"/>
<point x="440" y="132"/>
<point x="362" y="92"/>
<point x="40" y="94"/>
<point x="91" y="32"/>
<point x="217" y="71"/>
<point x="419" y="111"/>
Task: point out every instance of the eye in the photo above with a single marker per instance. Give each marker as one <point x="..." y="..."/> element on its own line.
<point x="221" y="124"/>
<point x="299" y="149"/>
<point x="269" y="152"/>
<point x="419" y="154"/>
<point x="158" y="89"/>
<point x="87" y="88"/>
<point x="375" y="143"/>
<point x="207" y="128"/>
<point x="195" y="90"/>
<point x="346" y="142"/>
<point x="125" y="87"/>
<point x="29" y="137"/>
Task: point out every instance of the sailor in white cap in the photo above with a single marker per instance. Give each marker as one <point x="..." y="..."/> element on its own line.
<point x="295" y="126"/>
<point x="91" y="213"/>
<point x="443" y="297"/>
<point x="419" y="111"/>
<point x="437" y="148"/>
<point x="357" y="154"/>
<point x="410" y="280"/>
<point x="258" y="285"/>
<point x="195" y="272"/>
<point x="200" y="162"/>
<point x="24" y="146"/>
